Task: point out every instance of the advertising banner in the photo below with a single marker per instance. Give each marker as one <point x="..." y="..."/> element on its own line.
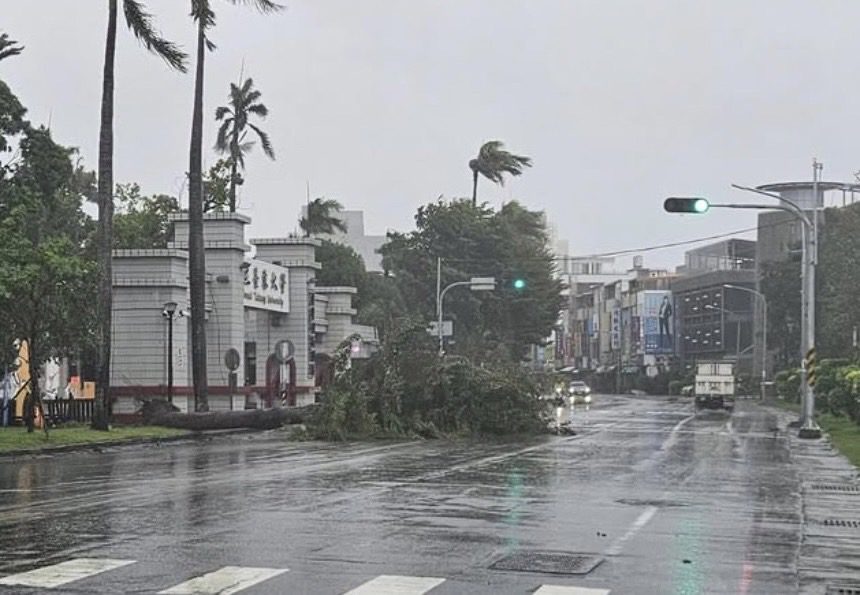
<point x="657" y="322"/>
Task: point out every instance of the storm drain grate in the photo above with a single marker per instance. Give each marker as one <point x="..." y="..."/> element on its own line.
<point x="842" y="523"/>
<point x="843" y="590"/>
<point x="549" y="562"/>
<point x="836" y="487"/>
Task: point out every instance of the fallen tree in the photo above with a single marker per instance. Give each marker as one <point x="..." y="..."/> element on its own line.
<point x="161" y="413"/>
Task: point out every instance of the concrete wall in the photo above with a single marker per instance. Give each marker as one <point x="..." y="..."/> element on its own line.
<point x="225" y="248"/>
<point x="144" y="280"/>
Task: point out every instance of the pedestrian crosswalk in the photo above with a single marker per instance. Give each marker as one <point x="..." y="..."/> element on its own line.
<point x="58" y="575"/>
<point x="234" y="579"/>
<point x="224" y="581"/>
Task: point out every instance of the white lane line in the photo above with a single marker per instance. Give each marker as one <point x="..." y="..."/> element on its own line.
<point x="224" y="581"/>
<point x="560" y="590"/>
<point x="387" y="584"/>
<point x="65" y="572"/>
<point x="640" y="522"/>
<point x="673" y="435"/>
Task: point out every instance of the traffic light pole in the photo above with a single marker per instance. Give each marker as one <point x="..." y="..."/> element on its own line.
<point x="809" y="241"/>
<point x="808" y="427"/>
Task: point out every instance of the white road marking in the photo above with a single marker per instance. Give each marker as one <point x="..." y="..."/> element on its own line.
<point x="224" y="581"/>
<point x="560" y="590"/>
<point x="673" y="435"/>
<point x="397" y="585"/>
<point x="640" y="522"/>
<point x="65" y="572"/>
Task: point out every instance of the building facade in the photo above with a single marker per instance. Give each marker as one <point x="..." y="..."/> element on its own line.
<point x="254" y="307"/>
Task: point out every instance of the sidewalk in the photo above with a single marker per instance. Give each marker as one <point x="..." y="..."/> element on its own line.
<point x="829" y="554"/>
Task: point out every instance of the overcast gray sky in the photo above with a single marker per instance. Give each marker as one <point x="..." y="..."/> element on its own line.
<point x="381" y="103"/>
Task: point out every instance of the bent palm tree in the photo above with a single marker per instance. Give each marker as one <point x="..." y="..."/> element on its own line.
<point x="244" y="101"/>
<point x="320" y="218"/>
<point x="9" y="47"/>
<point x="493" y="162"/>
<point x="204" y="17"/>
<point x="140" y="23"/>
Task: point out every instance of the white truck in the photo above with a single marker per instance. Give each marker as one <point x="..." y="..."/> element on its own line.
<point x="715" y="385"/>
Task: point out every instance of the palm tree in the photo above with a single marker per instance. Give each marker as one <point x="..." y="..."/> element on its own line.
<point x="140" y="23"/>
<point x="320" y="218"/>
<point x="9" y="47"/>
<point x="493" y="162"/>
<point x="244" y="101"/>
<point x="204" y="17"/>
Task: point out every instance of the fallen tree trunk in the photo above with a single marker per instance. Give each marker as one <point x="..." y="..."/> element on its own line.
<point x="164" y="414"/>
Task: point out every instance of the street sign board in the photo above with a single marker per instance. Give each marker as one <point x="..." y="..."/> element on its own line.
<point x="482" y="283"/>
<point x="447" y="328"/>
<point x="231" y="359"/>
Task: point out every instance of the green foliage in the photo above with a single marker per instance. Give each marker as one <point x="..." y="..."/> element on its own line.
<point x="341" y="265"/>
<point x="322" y="218"/>
<point x="788" y="384"/>
<point x="216" y="187"/>
<point x="406" y="390"/>
<point x="141" y="221"/>
<point x="478" y="242"/>
<point x="47" y="275"/>
<point x="12" y="120"/>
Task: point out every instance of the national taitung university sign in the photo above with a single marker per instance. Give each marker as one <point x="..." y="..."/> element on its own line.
<point x="266" y="286"/>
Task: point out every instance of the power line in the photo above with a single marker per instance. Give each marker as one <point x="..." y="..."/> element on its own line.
<point x="662" y="246"/>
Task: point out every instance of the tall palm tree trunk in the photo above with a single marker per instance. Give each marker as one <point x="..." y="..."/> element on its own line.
<point x="197" y="259"/>
<point x="474" y="187"/>
<point x="101" y="410"/>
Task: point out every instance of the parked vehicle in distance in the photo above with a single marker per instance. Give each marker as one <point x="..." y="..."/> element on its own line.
<point x="579" y="390"/>
<point x="715" y="386"/>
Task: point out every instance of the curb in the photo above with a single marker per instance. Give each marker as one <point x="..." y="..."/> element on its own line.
<point x="97" y="446"/>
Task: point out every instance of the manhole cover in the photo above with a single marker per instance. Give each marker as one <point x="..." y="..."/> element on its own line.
<point x="842" y="523"/>
<point x="843" y="589"/>
<point x="836" y="487"/>
<point x="656" y="503"/>
<point x="550" y="562"/>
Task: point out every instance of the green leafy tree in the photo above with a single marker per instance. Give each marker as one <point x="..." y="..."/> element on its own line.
<point x="477" y="242"/>
<point x="47" y="278"/>
<point x="322" y="218"/>
<point x="204" y="18"/>
<point x="142" y="221"/>
<point x="493" y="162"/>
<point x="216" y="187"/>
<point x="233" y="133"/>
<point x="341" y="265"/>
<point x="141" y="25"/>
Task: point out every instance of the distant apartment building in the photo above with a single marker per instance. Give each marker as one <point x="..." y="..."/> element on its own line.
<point x="367" y="246"/>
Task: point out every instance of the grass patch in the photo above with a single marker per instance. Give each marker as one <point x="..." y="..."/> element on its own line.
<point x="844" y="433"/>
<point x="16" y="438"/>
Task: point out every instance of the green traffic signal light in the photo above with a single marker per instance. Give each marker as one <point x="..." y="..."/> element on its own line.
<point x="686" y="205"/>
<point x="519" y="283"/>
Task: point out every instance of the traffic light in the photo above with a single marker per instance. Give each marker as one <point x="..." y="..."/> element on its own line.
<point x="686" y="205"/>
<point x="519" y="283"/>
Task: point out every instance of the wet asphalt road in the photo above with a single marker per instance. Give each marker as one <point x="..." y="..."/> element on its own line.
<point x="671" y="502"/>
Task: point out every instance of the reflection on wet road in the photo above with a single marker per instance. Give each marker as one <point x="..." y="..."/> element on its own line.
<point x="670" y="502"/>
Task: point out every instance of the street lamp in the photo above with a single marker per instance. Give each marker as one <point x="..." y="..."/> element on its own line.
<point x="759" y="295"/>
<point x="738" y="317"/>
<point x="475" y="284"/>
<point x="168" y="312"/>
